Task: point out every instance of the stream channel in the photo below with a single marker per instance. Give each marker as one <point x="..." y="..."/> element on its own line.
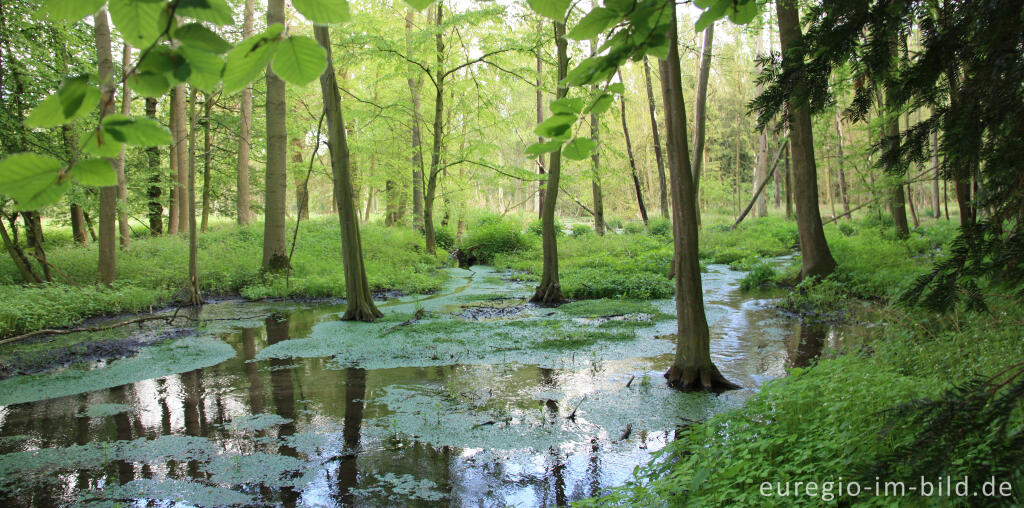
<point x="282" y="404"/>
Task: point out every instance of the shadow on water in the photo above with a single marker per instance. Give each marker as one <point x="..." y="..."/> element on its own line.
<point x="314" y="431"/>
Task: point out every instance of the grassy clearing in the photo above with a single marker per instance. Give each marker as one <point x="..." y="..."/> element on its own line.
<point x="155" y="269"/>
<point x="842" y="418"/>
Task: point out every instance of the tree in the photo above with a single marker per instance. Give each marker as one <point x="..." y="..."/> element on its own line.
<point x="244" y="130"/>
<point x="632" y="161"/>
<point x="275" y="255"/>
<point x="156" y="209"/>
<point x="815" y="255"/>
<point x="359" y="302"/>
<point x="415" y="85"/>
<point x="124" y="232"/>
<point x="550" y="290"/>
<point x="108" y="194"/>
<point x="761" y="170"/>
<point x="663" y="193"/>
<point x="540" y="118"/>
<point x="180" y="129"/>
<point x="699" y="112"/>
<point x="194" y="297"/>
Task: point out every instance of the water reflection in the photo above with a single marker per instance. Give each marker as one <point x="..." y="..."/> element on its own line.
<point x="807" y="345"/>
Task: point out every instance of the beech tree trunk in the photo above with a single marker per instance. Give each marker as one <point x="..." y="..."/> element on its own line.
<point x="843" y="193"/>
<point x="275" y="255"/>
<point x="78" y="228"/>
<point x="438" y="128"/>
<point x="156" y="209"/>
<point x="540" y="118"/>
<point x="761" y="170"/>
<point x="550" y="290"/>
<point x="662" y="190"/>
<point x="815" y="254"/>
<point x="245" y="131"/>
<point x="301" y="192"/>
<point x="207" y="156"/>
<point x="108" y="195"/>
<point x="124" y="232"/>
<point x="181" y="127"/>
<point x="936" y="198"/>
<point x="415" y="85"/>
<point x="360" y="305"/>
<point x="692" y="367"/>
<point x="193" y="234"/>
<point x="700" y="113"/>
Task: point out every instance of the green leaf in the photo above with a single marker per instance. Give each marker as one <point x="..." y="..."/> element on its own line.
<point x="149" y="84"/>
<point x="419" y="4"/>
<point x="323" y="12"/>
<point x="619" y="6"/>
<point x="250" y="58"/>
<point x="542" y="148"/>
<point x="74" y="99"/>
<point x="102" y="146"/>
<point x="33" y="180"/>
<point x="714" y="13"/>
<point x="555" y="126"/>
<point x="578" y="149"/>
<point x="141" y="131"/>
<point x="743" y="12"/>
<point x="567" y="105"/>
<point x="97" y="172"/>
<point x="601" y="104"/>
<point x="618" y="88"/>
<point x="198" y="36"/>
<point x="206" y="68"/>
<point x="554" y="9"/>
<point x="138" y="20"/>
<point x="69" y="10"/>
<point x="217" y="12"/>
<point x="299" y="60"/>
<point x="594" y="23"/>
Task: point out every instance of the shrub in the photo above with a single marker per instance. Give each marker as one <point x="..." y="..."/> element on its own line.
<point x="762" y="274"/>
<point x="485" y="242"/>
<point x="633" y="228"/>
<point x="582" y="230"/>
<point x="536" y="227"/>
<point x="614" y="223"/>
<point x="660" y="227"/>
<point x="444" y="238"/>
<point x="846" y="229"/>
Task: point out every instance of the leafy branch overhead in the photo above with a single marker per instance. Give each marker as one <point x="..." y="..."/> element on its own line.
<point x="179" y="44"/>
<point x="635" y="29"/>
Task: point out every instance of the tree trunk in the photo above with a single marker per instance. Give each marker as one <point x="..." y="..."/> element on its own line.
<point x="275" y="256"/>
<point x="699" y="113"/>
<point x="156" y="209"/>
<point x="816" y="257"/>
<point x="415" y="85"/>
<point x="540" y="118"/>
<point x="181" y="128"/>
<point x="761" y="170"/>
<point x="788" y="180"/>
<point x="301" y="192"/>
<point x="245" y="131"/>
<point x="78" y="228"/>
<point x="207" y="156"/>
<point x="632" y="161"/>
<point x="108" y="195"/>
<point x="18" y="256"/>
<point x="193" y="233"/>
<point x="435" y="153"/>
<point x="124" y="232"/>
<point x="663" y="192"/>
<point x="936" y="198"/>
<point x="360" y="305"/>
<point x="843" y="192"/>
<point x="550" y="290"/>
<point x="692" y="367"/>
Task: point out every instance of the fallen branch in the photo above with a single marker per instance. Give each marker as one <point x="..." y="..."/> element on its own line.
<point x="572" y="415"/>
<point x="626" y="432"/>
<point x="67" y="331"/>
<point x="631" y="378"/>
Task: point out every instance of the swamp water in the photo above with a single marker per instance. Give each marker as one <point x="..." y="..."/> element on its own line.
<point x="462" y="398"/>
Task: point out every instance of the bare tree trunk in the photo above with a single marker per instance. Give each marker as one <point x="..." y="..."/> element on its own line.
<point x="692" y="367"/>
<point x="301" y="192"/>
<point x="178" y="107"/>
<point x="632" y="161"/>
<point x="438" y="127"/>
<point x="936" y="198"/>
<point x="156" y="209"/>
<point x="540" y="118"/>
<point x="245" y="131"/>
<point x="415" y="85"/>
<point x="193" y="233"/>
<point x="108" y="195"/>
<point x="816" y="257"/>
<point x="18" y="256"/>
<point x="761" y="170"/>
<point x="174" y="198"/>
<point x="360" y="305"/>
<point x="663" y="192"/>
<point x="207" y="156"/>
<point x="550" y="289"/>
<point x="699" y="113"/>
<point x="275" y="255"/>
<point x="78" y="228"/>
<point x="842" y="173"/>
<point x="788" y="180"/>
<point x="124" y="232"/>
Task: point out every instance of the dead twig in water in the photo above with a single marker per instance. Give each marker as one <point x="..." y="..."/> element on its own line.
<point x="572" y="415"/>
<point x="631" y="378"/>
<point x="490" y="422"/>
<point x="626" y="432"/>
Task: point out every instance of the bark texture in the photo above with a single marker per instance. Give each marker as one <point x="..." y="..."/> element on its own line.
<point x="108" y="195"/>
<point x="700" y="113"/>
<point x="244" y="131"/>
<point x="275" y="255"/>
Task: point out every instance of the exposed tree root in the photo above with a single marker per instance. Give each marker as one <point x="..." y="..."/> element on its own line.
<point x="704" y="378"/>
<point x="548" y="295"/>
<point x="364" y="313"/>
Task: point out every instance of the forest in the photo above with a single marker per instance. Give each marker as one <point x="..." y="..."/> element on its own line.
<point x="511" y="252"/>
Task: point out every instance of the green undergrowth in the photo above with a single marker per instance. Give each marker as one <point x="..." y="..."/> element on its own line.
<point x="154" y="270"/>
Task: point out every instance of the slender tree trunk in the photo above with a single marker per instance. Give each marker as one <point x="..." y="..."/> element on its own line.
<point x="540" y="118"/>
<point x="415" y="85"/>
<point x="245" y="131"/>
<point x="173" y="197"/>
<point x="692" y="367"/>
<point x="156" y="209"/>
<point x="761" y="170"/>
<point x="193" y="232"/>
<point x="550" y="289"/>
<point x="207" y="156"/>
<point x="18" y="256"/>
<point x="78" y="228"/>
<point x="788" y="180"/>
<point x="435" y="152"/>
<point x="936" y="198"/>
<point x="816" y="257"/>
<point x="301" y="192"/>
<point x="843" y="192"/>
<point x="828" y="189"/>
<point x="360" y="305"/>
<point x="275" y="256"/>
<point x="34" y="240"/>
<point x="178" y="109"/>
<point x="632" y="161"/>
<point x="108" y="195"/>
<point x="124" y="232"/>
<point x="663" y="192"/>
<point x="700" y="114"/>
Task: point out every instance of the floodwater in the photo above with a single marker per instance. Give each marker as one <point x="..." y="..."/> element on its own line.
<point x="484" y="401"/>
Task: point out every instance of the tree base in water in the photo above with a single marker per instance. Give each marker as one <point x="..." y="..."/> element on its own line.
<point x="548" y="294"/>
<point x="365" y="313"/>
<point x="699" y="378"/>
